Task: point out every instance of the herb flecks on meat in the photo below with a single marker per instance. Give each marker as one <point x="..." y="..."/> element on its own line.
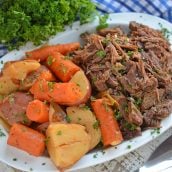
<point x="135" y="69"/>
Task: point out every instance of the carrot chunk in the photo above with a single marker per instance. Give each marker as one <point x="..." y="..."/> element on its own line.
<point x="66" y="93"/>
<point x="42" y="53"/>
<point x="63" y="68"/>
<point x="40" y="90"/>
<point x="37" y="111"/>
<point x="47" y="75"/>
<point x="27" y="139"/>
<point x="110" y="131"/>
<point x="61" y="93"/>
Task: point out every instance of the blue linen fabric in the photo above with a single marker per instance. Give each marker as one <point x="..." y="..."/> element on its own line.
<point x="161" y="8"/>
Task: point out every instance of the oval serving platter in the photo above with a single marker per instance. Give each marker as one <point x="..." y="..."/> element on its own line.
<point x="23" y="161"/>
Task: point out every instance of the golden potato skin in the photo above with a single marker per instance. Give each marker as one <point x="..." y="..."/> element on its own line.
<point x="67" y="143"/>
<point x="81" y="80"/>
<point x="83" y="116"/>
<point x="7" y="85"/>
<point x="19" y="69"/>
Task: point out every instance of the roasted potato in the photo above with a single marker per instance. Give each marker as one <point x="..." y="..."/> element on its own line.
<point x="7" y="85"/>
<point x="20" y="69"/>
<point x="83" y="116"/>
<point x="66" y="143"/>
<point x="34" y="75"/>
<point x="81" y="80"/>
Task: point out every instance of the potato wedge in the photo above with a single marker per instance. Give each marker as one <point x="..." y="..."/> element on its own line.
<point x="20" y="69"/>
<point x="41" y="73"/>
<point x="7" y="85"/>
<point x="81" y="80"/>
<point x="83" y="116"/>
<point x="67" y="143"/>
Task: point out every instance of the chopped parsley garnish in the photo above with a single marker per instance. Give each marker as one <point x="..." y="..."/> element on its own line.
<point x="79" y="119"/>
<point x="68" y="119"/>
<point x="105" y="41"/>
<point x="129" y="147"/>
<point x="14" y="159"/>
<point x="130" y="126"/>
<point x="117" y="114"/>
<point x="1" y="97"/>
<point x="78" y="85"/>
<point x="25" y="120"/>
<point x="103" y="152"/>
<point x="122" y="71"/>
<point x="155" y="131"/>
<point x="96" y="125"/>
<point x="85" y="107"/>
<point x="126" y="109"/>
<point x="117" y="40"/>
<point x="101" y="53"/>
<point x="107" y="108"/>
<point x="50" y="60"/>
<point x="103" y="22"/>
<point x="67" y="58"/>
<point x="95" y="155"/>
<point x="1" y="133"/>
<point x="2" y="62"/>
<point x="63" y="68"/>
<point x="51" y="85"/>
<point x="165" y="32"/>
<point x="59" y="133"/>
<point x="130" y="53"/>
<point x="47" y="140"/>
<point x="138" y="102"/>
<point x="140" y="50"/>
<point x="94" y="79"/>
<point x="126" y="40"/>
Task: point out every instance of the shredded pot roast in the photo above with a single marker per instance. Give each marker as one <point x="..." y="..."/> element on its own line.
<point x="135" y="69"/>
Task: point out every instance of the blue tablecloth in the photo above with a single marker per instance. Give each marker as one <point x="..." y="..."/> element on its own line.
<point x="161" y="8"/>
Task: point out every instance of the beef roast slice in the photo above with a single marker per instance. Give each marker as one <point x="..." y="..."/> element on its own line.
<point x="111" y="31"/>
<point x="122" y="101"/>
<point x="129" y="133"/>
<point x="136" y="80"/>
<point x="151" y="98"/>
<point x="156" y="113"/>
<point x="163" y="109"/>
<point x="129" y="111"/>
<point x="133" y="115"/>
<point x="168" y="90"/>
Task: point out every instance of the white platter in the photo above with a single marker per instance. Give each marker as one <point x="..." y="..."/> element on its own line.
<point x="27" y="162"/>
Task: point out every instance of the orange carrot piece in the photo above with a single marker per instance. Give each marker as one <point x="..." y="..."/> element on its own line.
<point x="37" y="111"/>
<point x="40" y="90"/>
<point x="110" y="131"/>
<point x="63" y="68"/>
<point x="66" y="93"/>
<point x="42" y="53"/>
<point x="47" y="75"/>
<point x="61" y="93"/>
<point x="27" y="139"/>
